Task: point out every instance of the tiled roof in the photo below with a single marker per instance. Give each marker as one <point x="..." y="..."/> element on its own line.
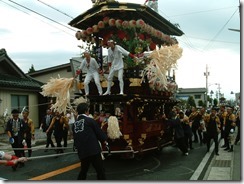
<point x="8" y="81"/>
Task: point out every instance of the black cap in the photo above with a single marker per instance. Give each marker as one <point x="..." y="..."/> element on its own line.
<point x="15" y="111"/>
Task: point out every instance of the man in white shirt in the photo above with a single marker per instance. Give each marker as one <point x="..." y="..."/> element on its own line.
<point x="115" y="60"/>
<point x="92" y="68"/>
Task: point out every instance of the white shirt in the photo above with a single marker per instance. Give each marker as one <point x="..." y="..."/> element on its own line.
<point x="116" y="57"/>
<point x="91" y="67"/>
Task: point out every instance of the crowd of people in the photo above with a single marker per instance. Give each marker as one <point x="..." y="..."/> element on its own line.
<point x="199" y="126"/>
<point x="188" y="127"/>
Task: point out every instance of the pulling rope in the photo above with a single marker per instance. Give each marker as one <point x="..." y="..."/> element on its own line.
<point x="50" y="156"/>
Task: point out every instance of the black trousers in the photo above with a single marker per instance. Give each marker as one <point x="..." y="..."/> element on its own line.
<point x="65" y="137"/>
<point x="216" y="143"/>
<point x="97" y="163"/>
<point x="17" y="144"/>
<point x="188" y="140"/>
<point x="49" y="139"/>
<point x="181" y="144"/>
<point x="28" y="142"/>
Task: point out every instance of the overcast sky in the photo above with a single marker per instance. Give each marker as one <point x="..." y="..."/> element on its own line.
<point x="32" y="39"/>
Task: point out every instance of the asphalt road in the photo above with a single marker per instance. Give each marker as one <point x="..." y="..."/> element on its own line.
<point x="169" y="165"/>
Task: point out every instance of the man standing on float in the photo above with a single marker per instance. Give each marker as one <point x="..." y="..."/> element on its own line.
<point x="92" y="67"/>
<point x="115" y="61"/>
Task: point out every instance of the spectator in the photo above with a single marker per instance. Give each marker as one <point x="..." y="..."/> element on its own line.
<point x="46" y="121"/>
<point x="87" y="135"/>
<point x="30" y="130"/>
<point x="16" y="128"/>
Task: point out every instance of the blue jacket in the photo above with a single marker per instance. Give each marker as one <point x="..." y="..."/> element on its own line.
<point x="87" y="133"/>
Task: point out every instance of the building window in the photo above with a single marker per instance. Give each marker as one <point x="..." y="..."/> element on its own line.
<point x="197" y="96"/>
<point x="19" y="102"/>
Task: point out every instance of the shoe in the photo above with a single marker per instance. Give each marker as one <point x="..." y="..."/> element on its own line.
<point x="107" y="93"/>
<point x="186" y="154"/>
<point x="226" y="149"/>
<point x="230" y="150"/>
<point x="224" y="146"/>
<point x="121" y="93"/>
<point x="217" y="154"/>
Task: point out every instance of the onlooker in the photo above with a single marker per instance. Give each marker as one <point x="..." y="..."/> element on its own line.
<point x="212" y="124"/>
<point x="87" y="135"/>
<point x="30" y="130"/>
<point x="16" y="128"/>
<point x="45" y="125"/>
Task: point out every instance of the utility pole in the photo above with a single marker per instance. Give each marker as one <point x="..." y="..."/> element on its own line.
<point x="206" y="74"/>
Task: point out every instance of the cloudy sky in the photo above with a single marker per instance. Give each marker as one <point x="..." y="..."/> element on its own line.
<point x="29" y="38"/>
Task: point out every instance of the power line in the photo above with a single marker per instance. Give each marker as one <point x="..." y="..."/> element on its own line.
<point x="218" y="33"/>
<point x="203" y="11"/>
<point x="214" y="40"/>
<point x="14" y="7"/>
<point x="55" y="9"/>
<point x="41" y="15"/>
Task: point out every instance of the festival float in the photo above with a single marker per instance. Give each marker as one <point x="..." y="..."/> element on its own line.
<point x="149" y="80"/>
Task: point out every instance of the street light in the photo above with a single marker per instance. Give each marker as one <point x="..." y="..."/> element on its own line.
<point x="218" y="93"/>
<point x="206" y="74"/>
<point x="211" y="94"/>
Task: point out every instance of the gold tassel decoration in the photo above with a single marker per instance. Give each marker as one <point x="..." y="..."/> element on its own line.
<point x="113" y="130"/>
<point x="59" y="88"/>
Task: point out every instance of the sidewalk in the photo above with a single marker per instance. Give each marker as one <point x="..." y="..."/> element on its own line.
<point x="226" y="166"/>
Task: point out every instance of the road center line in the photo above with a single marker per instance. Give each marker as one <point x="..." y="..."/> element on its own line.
<point x="56" y="172"/>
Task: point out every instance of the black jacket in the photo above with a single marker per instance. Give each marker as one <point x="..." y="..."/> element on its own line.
<point x="177" y="126"/>
<point x="87" y="133"/>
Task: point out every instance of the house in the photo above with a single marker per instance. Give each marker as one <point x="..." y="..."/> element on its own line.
<point x="197" y="94"/>
<point x="66" y="70"/>
<point x="18" y="90"/>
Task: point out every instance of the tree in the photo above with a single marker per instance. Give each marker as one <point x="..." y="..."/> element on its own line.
<point x="31" y="69"/>
<point x="201" y="103"/>
<point x="215" y="102"/>
<point x="191" y="101"/>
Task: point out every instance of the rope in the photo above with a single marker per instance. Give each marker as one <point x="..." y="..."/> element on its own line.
<point x="49" y="156"/>
<point x="54" y="148"/>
